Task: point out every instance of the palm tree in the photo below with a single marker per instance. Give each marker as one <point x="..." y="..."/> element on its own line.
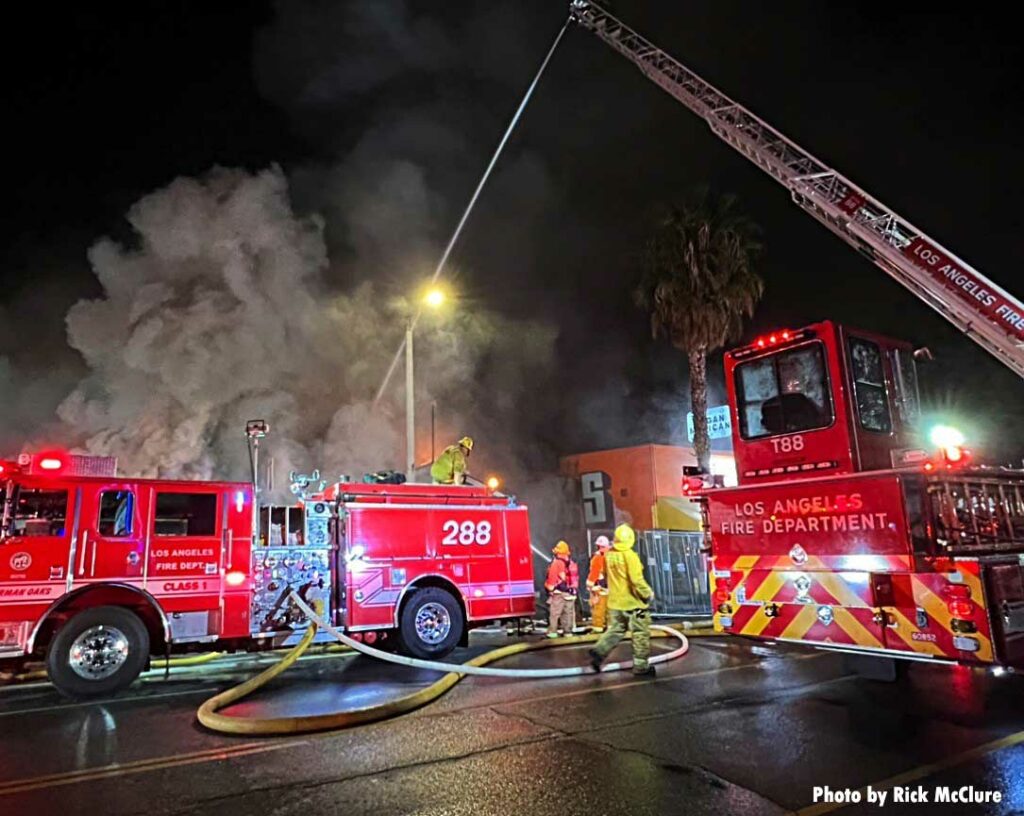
<point x="698" y="284"/>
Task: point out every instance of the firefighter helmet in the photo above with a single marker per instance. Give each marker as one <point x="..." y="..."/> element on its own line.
<point x="624" y="535"/>
<point x="561" y="548"/>
<point x="602" y="542"/>
<point x="466" y="442"/>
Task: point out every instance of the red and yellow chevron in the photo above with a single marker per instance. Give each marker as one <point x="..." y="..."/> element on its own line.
<point x="769" y="597"/>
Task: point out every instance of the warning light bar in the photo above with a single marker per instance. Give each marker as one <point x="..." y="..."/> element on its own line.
<point x="774" y="340"/>
<point x="66" y="464"/>
<point x="776" y="471"/>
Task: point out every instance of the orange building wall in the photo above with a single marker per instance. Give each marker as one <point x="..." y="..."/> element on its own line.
<point x="640" y="475"/>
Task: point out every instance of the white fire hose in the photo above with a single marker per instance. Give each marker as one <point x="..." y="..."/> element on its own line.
<point x="484" y="671"/>
<point x="209" y="712"/>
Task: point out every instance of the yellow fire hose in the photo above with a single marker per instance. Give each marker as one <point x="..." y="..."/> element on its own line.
<point x="210" y="717"/>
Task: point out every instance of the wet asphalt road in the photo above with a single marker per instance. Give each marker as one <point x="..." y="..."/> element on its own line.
<point x="734" y="727"/>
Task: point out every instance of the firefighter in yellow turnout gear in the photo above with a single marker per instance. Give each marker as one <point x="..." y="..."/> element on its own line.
<point x="629" y="597"/>
<point x="450" y="467"/>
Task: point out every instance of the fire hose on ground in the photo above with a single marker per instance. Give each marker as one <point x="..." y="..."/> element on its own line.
<point x="209" y="712"/>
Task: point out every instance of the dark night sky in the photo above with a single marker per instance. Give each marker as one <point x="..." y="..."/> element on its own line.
<point x="920" y="108"/>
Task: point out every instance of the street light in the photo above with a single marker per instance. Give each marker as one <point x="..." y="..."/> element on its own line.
<point x="433" y="298"/>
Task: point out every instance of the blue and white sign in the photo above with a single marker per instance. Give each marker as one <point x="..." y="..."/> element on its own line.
<point x="719" y="426"/>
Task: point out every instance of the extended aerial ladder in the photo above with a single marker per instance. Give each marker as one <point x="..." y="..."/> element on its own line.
<point x="979" y="308"/>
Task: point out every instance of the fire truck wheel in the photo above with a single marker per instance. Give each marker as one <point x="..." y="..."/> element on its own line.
<point x="99" y="651"/>
<point x="431" y="623"/>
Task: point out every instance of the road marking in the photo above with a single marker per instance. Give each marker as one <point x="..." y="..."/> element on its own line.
<point x="918" y="773"/>
<point x="113" y="701"/>
<point x="141" y="766"/>
<point x="216" y="754"/>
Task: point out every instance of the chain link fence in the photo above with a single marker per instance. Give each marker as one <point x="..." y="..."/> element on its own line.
<point x="677" y="571"/>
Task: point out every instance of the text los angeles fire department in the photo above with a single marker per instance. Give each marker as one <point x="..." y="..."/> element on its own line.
<point x="840" y="513"/>
<point x="905" y="794"/>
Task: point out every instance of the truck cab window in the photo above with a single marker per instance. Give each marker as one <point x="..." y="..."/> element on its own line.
<point x="869" y="385"/>
<point x="909" y="402"/>
<point x="185" y="514"/>
<point x="116" y="511"/>
<point x="40" y="512"/>
<point x="784" y="393"/>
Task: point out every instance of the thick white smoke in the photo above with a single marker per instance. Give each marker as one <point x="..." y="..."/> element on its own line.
<point x="221" y="310"/>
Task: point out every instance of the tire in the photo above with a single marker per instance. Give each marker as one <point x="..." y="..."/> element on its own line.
<point x="431" y="624"/>
<point x="99" y="651"/>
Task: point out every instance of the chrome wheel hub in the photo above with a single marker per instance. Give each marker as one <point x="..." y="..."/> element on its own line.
<point x="433" y="623"/>
<point x="98" y="652"/>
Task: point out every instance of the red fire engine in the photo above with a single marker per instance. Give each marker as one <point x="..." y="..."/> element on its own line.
<point x="99" y="572"/>
<point x="844" y="532"/>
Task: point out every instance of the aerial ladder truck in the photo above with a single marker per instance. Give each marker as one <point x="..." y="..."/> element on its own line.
<point x="845" y="532"/>
<point x="978" y="307"/>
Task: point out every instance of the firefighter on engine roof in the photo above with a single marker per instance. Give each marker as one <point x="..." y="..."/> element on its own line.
<point x="562" y="584"/>
<point x="597" y="585"/>
<point x="629" y="596"/>
<point x="450" y="467"/>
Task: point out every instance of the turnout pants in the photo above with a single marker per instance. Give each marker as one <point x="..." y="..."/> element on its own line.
<point x="636" y="620"/>
<point x="598" y="609"/>
<point x="561" y="613"/>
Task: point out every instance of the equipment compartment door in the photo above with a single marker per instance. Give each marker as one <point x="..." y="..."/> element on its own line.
<point x="1004" y="585"/>
<point x="472" y="545"/>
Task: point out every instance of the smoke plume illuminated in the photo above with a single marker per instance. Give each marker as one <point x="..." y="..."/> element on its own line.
<point x="221" y="311"/>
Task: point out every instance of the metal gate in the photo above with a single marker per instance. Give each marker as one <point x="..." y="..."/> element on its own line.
<point x="677" y="571"/>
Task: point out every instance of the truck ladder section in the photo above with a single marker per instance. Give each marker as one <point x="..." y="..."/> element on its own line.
<point x="978" y="513"/>
<point x="983" y="311"/>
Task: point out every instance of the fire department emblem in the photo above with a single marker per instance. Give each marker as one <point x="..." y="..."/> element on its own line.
<point x="798" y="555"/>
<point x="825" y="615"/>
<point x="803" y="586"/>
<point x="21" y="561"/>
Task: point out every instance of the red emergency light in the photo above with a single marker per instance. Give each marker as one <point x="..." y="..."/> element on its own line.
<point x="67" y="464"/>
<point x="773" y="339"/>
<point x="954" y="454"/>
<point x="767" y="341"/>
<point x="692" y="484"/>
<point x="958" y="601"/>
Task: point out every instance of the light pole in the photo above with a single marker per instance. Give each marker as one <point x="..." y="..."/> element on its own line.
<point x="434" y="298"/>
<point x="410" y="409"/>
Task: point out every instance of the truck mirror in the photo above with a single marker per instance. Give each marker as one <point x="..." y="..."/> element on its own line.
<point x="10" y="499"/>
